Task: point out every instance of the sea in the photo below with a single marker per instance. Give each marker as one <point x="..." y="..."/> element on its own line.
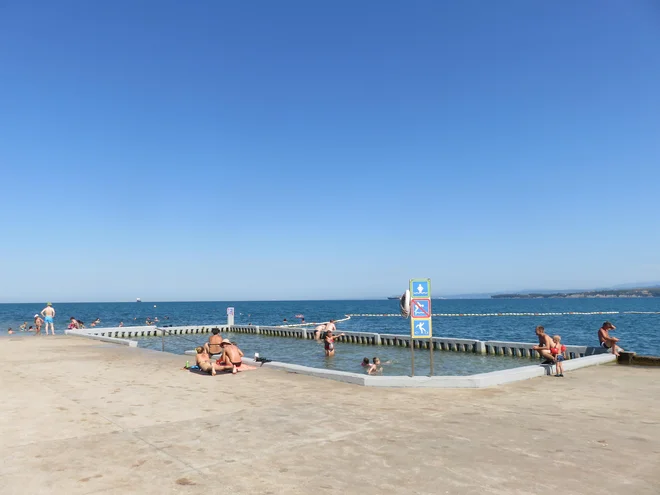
<point x="578" y="320"/>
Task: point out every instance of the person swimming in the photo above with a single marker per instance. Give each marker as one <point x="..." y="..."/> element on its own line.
<point x="375" y="367"/>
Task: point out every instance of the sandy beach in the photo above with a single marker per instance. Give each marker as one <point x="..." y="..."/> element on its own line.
<point x="82" y="417"/>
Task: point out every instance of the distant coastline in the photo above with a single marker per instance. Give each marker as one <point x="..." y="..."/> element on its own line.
<point x="592" y="294"/>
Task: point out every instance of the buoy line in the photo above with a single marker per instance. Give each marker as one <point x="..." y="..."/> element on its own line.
<point x="378" y="315"/>
<point x="311" y="323"/>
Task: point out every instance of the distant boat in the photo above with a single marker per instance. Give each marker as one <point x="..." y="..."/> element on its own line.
<point x="138" y="300"/>
<point x="394" y="297"/>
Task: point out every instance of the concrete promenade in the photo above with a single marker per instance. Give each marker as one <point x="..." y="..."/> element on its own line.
<point x="80" y="416"/>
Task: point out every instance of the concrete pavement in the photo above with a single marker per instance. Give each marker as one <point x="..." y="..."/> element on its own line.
<point x="82" y="417"/>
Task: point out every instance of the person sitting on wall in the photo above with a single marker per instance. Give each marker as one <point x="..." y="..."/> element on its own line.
<point x="213" y="346"/>
<point x="545" y="346"/>
<point x="606" y="341"/>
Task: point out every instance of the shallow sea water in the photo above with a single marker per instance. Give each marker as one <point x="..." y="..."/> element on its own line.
<point x="348" y="357"/>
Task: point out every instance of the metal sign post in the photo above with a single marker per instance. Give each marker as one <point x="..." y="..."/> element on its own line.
<point x="421" y="325"/>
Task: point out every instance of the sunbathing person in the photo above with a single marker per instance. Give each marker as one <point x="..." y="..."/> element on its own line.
<point x="204" y="361"/>
<point x="233" y="357"/>
<point x="213" y="345"/>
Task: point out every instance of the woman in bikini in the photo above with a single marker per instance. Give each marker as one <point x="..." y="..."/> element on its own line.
<point x="204" y="361"/>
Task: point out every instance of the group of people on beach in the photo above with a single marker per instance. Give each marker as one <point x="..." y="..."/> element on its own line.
<point x="46" y="316"/>
<point x="552" y="350"/>
<point x="219" y="354"/>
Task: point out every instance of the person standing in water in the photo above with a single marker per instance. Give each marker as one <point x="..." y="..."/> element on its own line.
<point x="49" y="317"/>
<point x="329" y="343"/>
<point x="38" y="322"/>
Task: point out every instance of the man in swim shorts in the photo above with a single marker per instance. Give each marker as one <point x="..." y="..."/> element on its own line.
<point x="213" y="345"/>
<point x="606" y="340"/>
<point x="204" y="361"/>
<point x="233" y="356"/>
<point x="49" y="315"/>
<point x="545" y="345"/>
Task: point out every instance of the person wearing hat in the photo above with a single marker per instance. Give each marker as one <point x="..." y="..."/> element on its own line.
<point x="232" y="356"/>
<point x="49" y="315"/>
<point x="38" y="322"/>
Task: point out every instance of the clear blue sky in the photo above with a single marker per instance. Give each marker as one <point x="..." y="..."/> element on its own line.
<point x="326" y="149"/>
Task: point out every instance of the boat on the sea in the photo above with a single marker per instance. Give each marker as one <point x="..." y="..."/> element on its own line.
<point x="138" y="300"/>
<point x="394" y="297"/>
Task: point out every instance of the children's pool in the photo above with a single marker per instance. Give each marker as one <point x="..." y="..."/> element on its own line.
<point x="348" y="357"/>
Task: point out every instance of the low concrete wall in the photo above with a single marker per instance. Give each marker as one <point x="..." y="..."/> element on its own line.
<point x="113" y="340"/>
<point x="631" y="358"/>
<point x="490" y="347"/>
<point x="525" y="349"/>
<point x="482" y="380"/>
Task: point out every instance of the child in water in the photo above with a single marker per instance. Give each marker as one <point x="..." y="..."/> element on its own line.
<point x="558" y="352"/>
<point x="376" y="367"/>
<point x="365" y="363"/>
<point x="329" y="341"/>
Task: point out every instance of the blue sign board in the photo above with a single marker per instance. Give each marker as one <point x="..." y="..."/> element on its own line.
<point x="421" y="328"/>
<point x="420" y="309"/>
<point x="420" y="288"/>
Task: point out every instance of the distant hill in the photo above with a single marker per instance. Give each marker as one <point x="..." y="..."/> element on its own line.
<point x="541" y="293"/>
<point x="604" y="293"/>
